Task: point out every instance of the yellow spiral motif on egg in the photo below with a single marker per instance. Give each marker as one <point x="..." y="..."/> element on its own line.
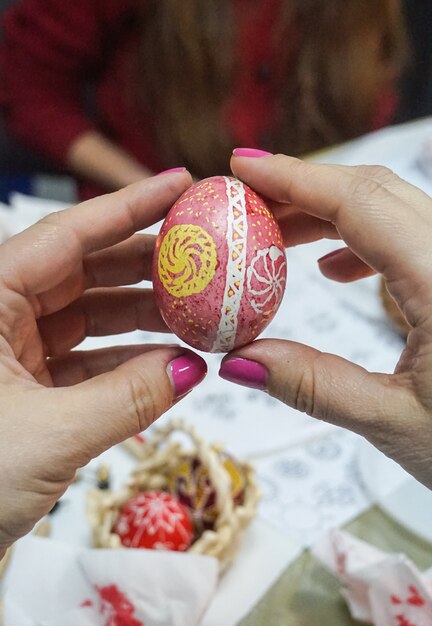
<point x="187" y="260"/>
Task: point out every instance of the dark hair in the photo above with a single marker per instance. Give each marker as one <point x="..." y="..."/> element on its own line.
<point x="341" y="54"/>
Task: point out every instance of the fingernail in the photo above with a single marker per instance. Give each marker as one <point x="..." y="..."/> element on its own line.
<point x="244" y="372"/>
<point x="173" y="170"/>
<point x="250" y="152"/>
<point x="331" y="254"/>
<point x="186" y="372"/>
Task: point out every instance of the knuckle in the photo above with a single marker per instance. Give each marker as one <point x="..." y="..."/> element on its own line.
<point x="143" y="401"/>
<point x="50" y="226"/>
<point x="292" y="170"/>
<point x="310" y="395"/>
<point x="380" y="173"/>
<point x="305" y="391"/>
<point x="129" y="204"/>
<point x="53" y="228"/>
<point x="299" y="167"/>
<point x="371" y="181"/>
<point x="364" y="190"/>
<point x="91" y="274"/>
<point x="52" y="219"/>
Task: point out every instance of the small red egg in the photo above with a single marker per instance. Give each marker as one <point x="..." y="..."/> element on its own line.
<point x="219" y="270"/>
<point x="155" y="520"/>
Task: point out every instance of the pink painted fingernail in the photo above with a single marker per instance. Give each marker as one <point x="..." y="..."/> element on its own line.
<point x="250" y="152"/>
<point x="331" y="254"/>
<point x="186" y="372"/>
<point x="173" y="170"/>
<point x="244" y="372"/>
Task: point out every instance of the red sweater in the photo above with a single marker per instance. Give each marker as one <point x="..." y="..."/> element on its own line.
<point x="54" y="47"/>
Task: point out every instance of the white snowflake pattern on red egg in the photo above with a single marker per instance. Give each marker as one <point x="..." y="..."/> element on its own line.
<point x="266" y="277"/>
<point x="219" y="271"/>
<point x="155" y="520"/>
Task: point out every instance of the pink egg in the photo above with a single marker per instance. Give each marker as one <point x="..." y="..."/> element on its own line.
<point x="219" y="270"/>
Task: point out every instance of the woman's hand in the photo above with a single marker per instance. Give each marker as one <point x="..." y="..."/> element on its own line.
<point x="95" y="158"/>
<point x="58" y="284"/>
<point x="386" y="224"/>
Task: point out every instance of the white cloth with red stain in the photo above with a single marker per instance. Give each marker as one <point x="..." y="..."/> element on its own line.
<point x="49" y="578"/>
<point x="384" y="589"/>
<point x="106" y="587"/>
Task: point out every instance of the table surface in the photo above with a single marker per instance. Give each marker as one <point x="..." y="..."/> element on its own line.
<point x="308" y="595"/>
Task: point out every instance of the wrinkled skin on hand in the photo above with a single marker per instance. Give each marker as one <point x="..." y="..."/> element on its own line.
<point x="386" y="225"/>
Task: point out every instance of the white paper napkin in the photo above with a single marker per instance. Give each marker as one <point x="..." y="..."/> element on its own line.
<point x="51" y="583"/>
<point x="384" y="589"/>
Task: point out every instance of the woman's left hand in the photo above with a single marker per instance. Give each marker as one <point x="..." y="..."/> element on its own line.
<point x="386" y="224"/>
<point x="59" y="407"/>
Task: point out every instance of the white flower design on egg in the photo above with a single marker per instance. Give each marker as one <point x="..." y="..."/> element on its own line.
<point x="266" y="279"/>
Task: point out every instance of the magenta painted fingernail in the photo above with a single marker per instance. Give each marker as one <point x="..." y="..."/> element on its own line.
<point x="186" y="372"/>
<point x="244" y="372"/>
<point x="250" y="152"/>
<point x="173" y="170"/>
<point x="331" y="254"/>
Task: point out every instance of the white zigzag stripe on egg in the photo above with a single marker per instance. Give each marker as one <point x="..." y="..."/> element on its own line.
<point x="236" y="265"/>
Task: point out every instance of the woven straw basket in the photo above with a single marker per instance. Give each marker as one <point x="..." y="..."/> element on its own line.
<point x="161" y="455"/>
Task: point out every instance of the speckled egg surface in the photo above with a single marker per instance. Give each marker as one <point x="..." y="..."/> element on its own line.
<point x="219" y="269"/>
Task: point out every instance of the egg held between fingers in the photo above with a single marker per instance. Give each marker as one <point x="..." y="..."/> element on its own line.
<point x="219" y="269"/>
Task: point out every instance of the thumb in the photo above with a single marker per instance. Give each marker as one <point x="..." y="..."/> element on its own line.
<point x="322" y="385"/>
<point x="113" y="406"/>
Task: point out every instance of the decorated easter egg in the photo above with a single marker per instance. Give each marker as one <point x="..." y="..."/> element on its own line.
<point x="191" y="484"/>
<point x="219" y="268"/>
<point x="155" y="520"/>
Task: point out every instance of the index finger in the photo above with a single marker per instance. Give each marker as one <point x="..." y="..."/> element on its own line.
<point x="385" y="221"/>
<point x="42" y="256"/>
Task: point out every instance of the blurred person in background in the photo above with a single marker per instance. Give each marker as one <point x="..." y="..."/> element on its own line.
<point x="416" y="84"/>
<point x="115" y="90"/>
